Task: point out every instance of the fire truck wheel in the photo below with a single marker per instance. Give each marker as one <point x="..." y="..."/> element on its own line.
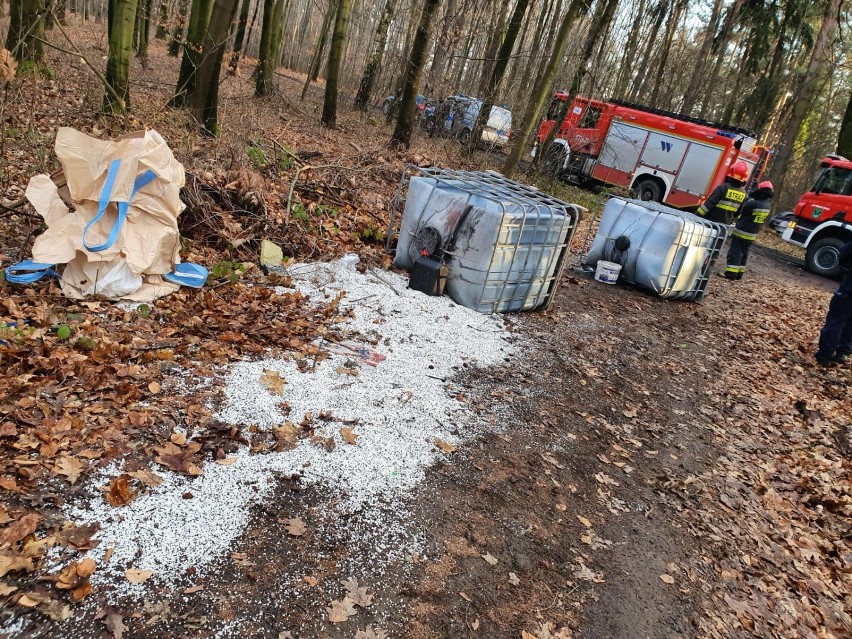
<point x="823" y="257"/>
<point x="647" y="190"/>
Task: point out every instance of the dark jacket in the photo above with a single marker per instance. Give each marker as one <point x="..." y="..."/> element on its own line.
<point x="723" y="204"/>
<point x="846" y="263"/>
<point x="753" y="214"/>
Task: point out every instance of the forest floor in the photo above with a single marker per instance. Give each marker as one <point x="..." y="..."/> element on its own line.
<point x="619" y="466"/>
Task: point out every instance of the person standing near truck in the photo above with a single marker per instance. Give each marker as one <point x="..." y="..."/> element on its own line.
<point x="753" y="214"/>
<point x="835" y="338"/>
<point x="723" y="203"/>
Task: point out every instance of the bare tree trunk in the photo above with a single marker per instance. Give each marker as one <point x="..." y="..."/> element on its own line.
<point x="625" y="69"/>
<point x="177" y="33"/>
<point x="374" y="60"/>
<point x="443" y="45"/>
<point x="335" y="54"/>
<point x="405" y="121"/>
<point x="270" y="41"/>
<point x="493" y="44"/>
<point x="199" y="19"/>
<point x="240" y="34"/>
<point x="671" y="25"/>
<point x="313" y="70"/>
<point x="205" y="98"/>
<point x="144" y="27"/>
<point x="26" y="30"/>
<point x="720" y="47"/>
<point x="805" y="90"/>
<point x="658" y="14"/>
<point x="122" y="16"/>
<point x="542" y="88"/>
<point x="161" y="33"/>
<point x="697" y="79"/>
<point x="844" y="139"/>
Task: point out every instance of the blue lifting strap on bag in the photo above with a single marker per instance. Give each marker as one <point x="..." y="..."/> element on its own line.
<point x="103" y="203"/>
<point x="188" y="274"/>
<point x="27" y="272"/>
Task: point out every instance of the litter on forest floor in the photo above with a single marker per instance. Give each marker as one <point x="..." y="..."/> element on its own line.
<point x="394" y="413"/>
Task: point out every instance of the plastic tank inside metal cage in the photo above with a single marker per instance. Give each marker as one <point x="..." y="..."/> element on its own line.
<point x="668" y="251"/>
<point x="505" y="244"/>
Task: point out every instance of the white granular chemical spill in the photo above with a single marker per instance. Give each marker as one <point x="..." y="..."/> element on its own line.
<point x="401" y="404"/>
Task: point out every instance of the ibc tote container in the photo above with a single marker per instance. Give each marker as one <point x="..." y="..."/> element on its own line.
<point x="505" y="244"/>
<point x="670" y="252"/>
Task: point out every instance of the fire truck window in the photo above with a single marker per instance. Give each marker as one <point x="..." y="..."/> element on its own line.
<point x="590" y="118"/>
<point x="836" y="181"/>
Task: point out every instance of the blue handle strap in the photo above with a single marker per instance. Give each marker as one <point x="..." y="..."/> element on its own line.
<point x="28" y="272"/>
<point x="103" y="203"/>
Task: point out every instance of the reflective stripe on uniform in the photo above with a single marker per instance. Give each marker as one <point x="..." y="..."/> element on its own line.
<point x="744" y="236"/>
<point x="728" y="206"/>
<point x="735" y="269"/>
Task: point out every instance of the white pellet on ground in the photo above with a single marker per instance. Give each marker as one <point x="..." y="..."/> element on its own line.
<point x="401" y="406"/>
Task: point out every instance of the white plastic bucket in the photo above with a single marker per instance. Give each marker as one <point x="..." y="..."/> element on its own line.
<point x="607" y="272"/>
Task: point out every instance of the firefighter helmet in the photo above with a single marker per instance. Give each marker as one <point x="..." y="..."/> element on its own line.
<point x="739" y="171"/>
<point x="766" y="184"/>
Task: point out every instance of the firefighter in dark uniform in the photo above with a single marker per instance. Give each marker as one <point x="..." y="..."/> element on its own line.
<point x="723" y="203"/>
<point x="752" y="216"/>
<point x="835" y="338"/>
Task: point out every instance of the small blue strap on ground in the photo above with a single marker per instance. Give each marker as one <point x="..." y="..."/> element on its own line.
<point x="103" y="204"/>
<point x="27" y="272"/>
<point x="188" y="274"/>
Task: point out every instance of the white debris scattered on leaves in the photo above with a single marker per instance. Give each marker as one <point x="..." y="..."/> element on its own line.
<point x="401" y="405"/>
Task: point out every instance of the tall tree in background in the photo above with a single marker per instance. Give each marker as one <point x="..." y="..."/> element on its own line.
<point x="205" y="98"/>
<point x="177" y="31"/>
<point x="143" y="30"/>
<point x="26" y="30"/>
<point x="543" y="87"/>
<point x="806" y="88"/>
<point x="499" y="69"/>
<point x="240" y="34"/>
<point x="335" y="54"/>
<point x="695" y="83"/>
<point x="413" y="70"/>
<point x="604" y="11"/>
<point x="199" y="18"/>
<point x="316" y="59"/>
<point x="374" y="59"/>
<point x="626" y="66"/>
<point x="122" y="19"/>
<point x="270" y="44"/>
<point x="844" y="139"/>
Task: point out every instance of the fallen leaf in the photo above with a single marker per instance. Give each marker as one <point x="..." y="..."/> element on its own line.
<point x="227" y="461"/>
<point x="273" y="381"/>
<point x="606" y="479"/>
<point x="154" y="387"/>
<point x="370" y="633"/>
<point x="193" y="589"/>
<point x="630" y="412"/>
<point x="311" y="581"/>
<point x="75" y="575"/>
<point x="286" y="634"/>
<point x="585" y="573"/>
<point x="137" y="576"/>
<point x="178" y="438"/>
<point x="475" y="624"/>
<point x="491" y="559"/>
<point x="113" y="621"/>
<point x="70" y="468"/>
<point x="340" y="611"/>
<point x="584" y="521"/>
<point x="6" y="589"/>
<point x="179" y="459"/>
<point x="465" y="596"/>
<point x="108" y="555"/>
<point x="24" y="527"/>
<point x="341" y="370"/>
<point x="147" y="477"/>
<point x="348" y="435"/>
<point x="561" y="507"/>
<point x="120" y="492"/>
<point x="296" y="527"/>
<point x="10" y="562"/>
<point x="668" y="579"/>
<point x="446" y="447"/>
<point x="79" y="537"/>
<point x="356" y="594"/>
<point x="513" y="579"/>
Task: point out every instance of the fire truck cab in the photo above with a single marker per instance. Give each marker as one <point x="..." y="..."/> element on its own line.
<point x="821" y="222"/>
<point x="661" y="156"/>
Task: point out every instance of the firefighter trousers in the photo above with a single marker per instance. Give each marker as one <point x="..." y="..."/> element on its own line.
<point x="835" y="338"/>
<point x="737" y="257"/>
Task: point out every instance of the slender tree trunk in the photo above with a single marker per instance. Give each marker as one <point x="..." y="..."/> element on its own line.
<point x="199" y="19"/>
<point x="313" y="70"/>
<point x="844" y="140"/>
<point x="691" y="94"/>
<point x="177" y="33"/>
<point x="240" y="35"/>
<point x="495" y="39"/>
<point x="658" y="15"/>
<point x="443" y="45"/>
<point x="537" y="46"/>
<point x="671" y="25"/>
<point x="543" y="87"/>
<point x="805" y="90"/>
<point x="604" y="11"/>
<point x="122" y="16"/>
<point x="335" y="53"/>
<point x="374" y="60"/>
<point x="205" y="98"/>
<point x="161" y="33"/>
<point x="496" y="76"/>
<point x="625" y="70"/>
<point x="26" y="30"/>
<point x="416" y="57"/>
<point x="270" y="41"/>
<point x="720" y="47"/>
<point x="144" y="23"/>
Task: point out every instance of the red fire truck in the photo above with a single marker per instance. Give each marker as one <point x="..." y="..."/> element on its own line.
<point x="821" y="222"/>
<point x="661" y="156"/>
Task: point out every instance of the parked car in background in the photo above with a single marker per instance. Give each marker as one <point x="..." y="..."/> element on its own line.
<point x="419" y="103"/>
<point x="455" y="116"/>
